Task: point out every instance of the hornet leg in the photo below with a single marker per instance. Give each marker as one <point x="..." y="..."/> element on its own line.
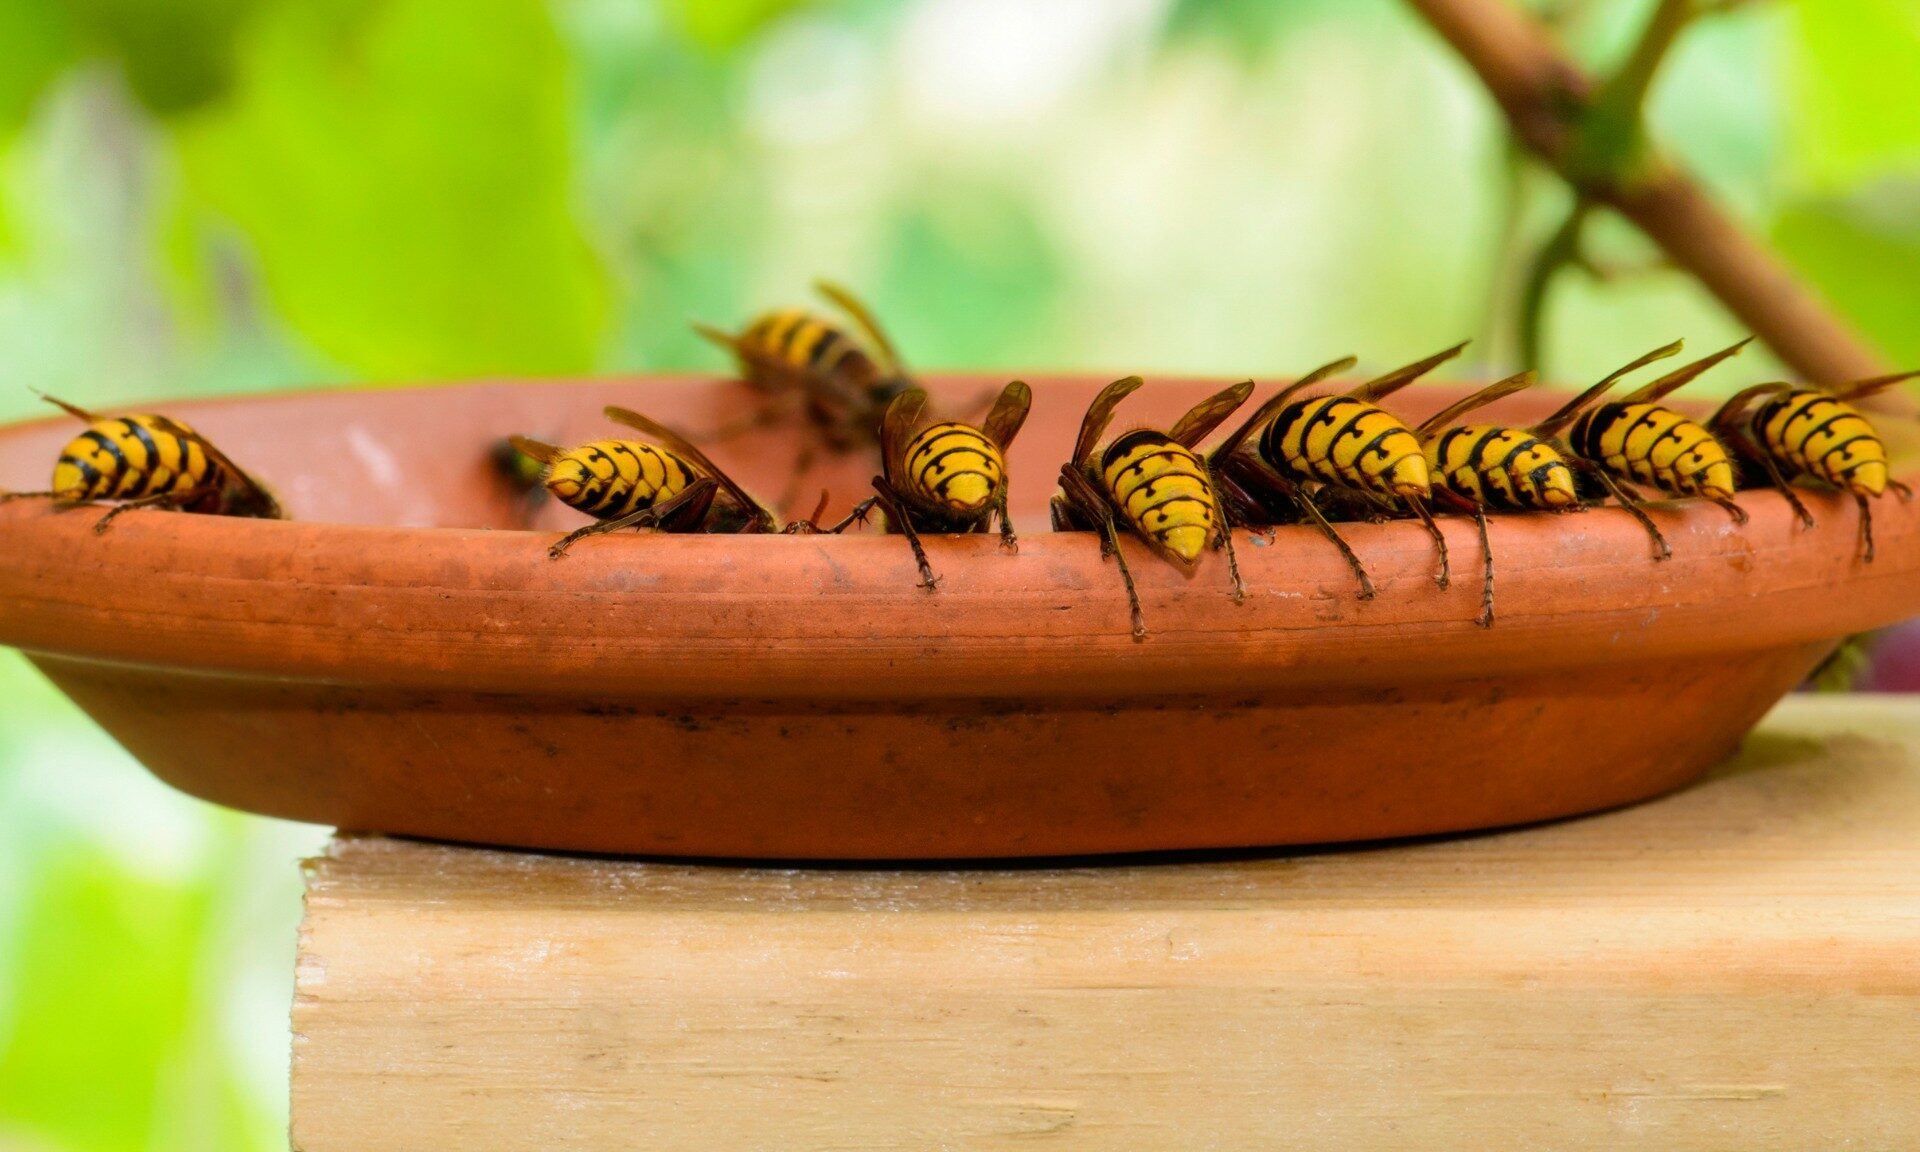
<point x="1866" y="528"/>
<point x="1306" y="504"/>
<point x="696" y="497"/>
<point x="1224" y="541"/>
<point x="1486" y="566"/>
<point x="897" y="517"/>
<point x="1632" y="505"/>
<point x="811" y="524"/>
<point x="1080" y="500"/>
<point x="598" y="527"/>
<point x="858" y="515"/>
<point x="1419" y="507"/>
<point x="1112" y="545"/>
<point x="167" y="500"/>
<point x="1779" y="480"/>
<point x="1225" y="538"/>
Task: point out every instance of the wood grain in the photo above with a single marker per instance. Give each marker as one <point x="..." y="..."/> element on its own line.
<point x="1736" y="966"/>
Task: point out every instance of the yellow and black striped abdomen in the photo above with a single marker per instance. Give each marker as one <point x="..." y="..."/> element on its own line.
<point x="1164" y="492"/>
<point x="955" y="468"/>
<point x="1814" y="434"/>
<point x="612" y="478"/>
<point x="1501" y="467"/>
<point x="803" y="342"/>
<point x="128" y="457"/>
<point x="1652" y="444"/>
<point x="1346" y="442"/>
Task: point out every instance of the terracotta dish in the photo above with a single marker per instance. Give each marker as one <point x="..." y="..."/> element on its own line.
<point x="403" y="656"/>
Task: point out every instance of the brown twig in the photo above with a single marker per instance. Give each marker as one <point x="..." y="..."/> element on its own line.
<point x="1545" y="95"/>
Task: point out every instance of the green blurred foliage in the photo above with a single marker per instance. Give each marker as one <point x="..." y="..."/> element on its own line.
<point x="1863" y="252"/>
<point x="1856" y="92"/>
<point x="36" y="45"/>
<point x="720" y="25"/>
<point x="1852" y="223"/>
<point x="38" y="40"/>
<point x="1243" y="29"/>
<point x="233" y="195"/>
<point x="972" y="258"/>
<point x="175" y="56"/>
<point x="133" y="923"/>
<point x="114" y="1000"/>
<point x="402" y="169"/>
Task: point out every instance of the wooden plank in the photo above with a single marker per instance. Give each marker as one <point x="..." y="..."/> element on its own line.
<point x="1736" y="966"/>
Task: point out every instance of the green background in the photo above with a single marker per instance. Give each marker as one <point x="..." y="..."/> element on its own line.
<point x="204" y="196"/>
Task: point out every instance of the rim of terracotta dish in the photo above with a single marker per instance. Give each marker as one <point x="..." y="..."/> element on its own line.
<point x="837" y="618"/>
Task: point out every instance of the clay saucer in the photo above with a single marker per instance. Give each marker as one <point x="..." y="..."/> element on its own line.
<point x="403" y="656"/>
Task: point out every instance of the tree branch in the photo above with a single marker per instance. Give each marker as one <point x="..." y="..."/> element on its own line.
<point x="1612" y="140"/>
<point x="1560" y="252"/>
<point x="1544" y="96"/>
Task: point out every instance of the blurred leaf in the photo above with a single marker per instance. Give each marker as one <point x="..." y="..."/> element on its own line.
<point x="1247" y="29"/>
<point x="1863" y="254"/>
<point x="719" y="25"/>
<point x="401" y="169"/>
<point x="176" y="55"/>
<point x="970" y="278"/>
<point x="1856" y="88"/>
<point x="130" y="943"/>
<point x="105" y="966"/>
<point x="36" y="42"/>
<point x="673" y="190"/>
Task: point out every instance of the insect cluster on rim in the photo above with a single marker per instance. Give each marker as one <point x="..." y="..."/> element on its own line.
<point x="1329" y="457"/>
